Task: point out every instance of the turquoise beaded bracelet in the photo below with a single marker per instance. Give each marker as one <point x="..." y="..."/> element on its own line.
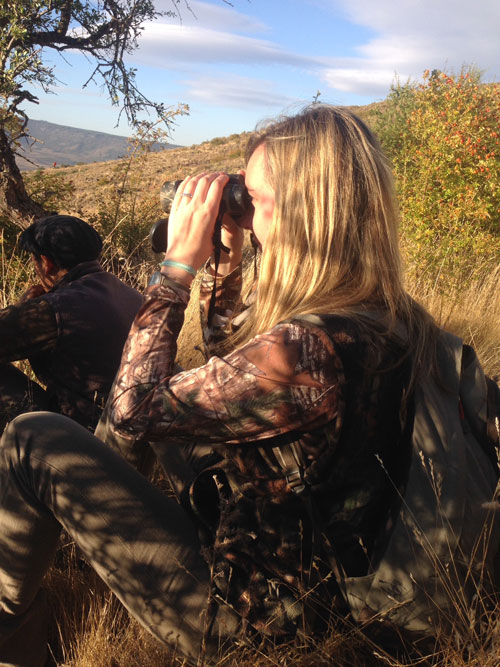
<point x="178" y="265"/>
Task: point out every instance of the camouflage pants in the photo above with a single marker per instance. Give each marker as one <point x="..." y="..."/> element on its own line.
<point x="54" y="474"/>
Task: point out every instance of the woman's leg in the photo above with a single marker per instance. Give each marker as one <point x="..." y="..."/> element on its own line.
<point x="54" y="473"/>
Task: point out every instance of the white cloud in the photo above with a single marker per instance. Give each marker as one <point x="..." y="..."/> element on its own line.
<point x="408" y="37"/>
<point x="236" y="91"/>
<point x="424" y="17"/>
<point x="212" y="16"/>
<point x="167" y="45"/>
<point x="371" y="82"/>
<point x="413" y="36"/>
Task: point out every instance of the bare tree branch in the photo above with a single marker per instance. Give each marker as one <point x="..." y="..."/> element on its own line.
<point x="103" y="30"/>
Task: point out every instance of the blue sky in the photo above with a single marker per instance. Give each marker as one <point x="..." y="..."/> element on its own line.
<point x="237" y="64"/>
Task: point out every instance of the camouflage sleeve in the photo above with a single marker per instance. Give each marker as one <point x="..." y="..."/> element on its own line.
<point x="289" y="379"/>
<point x="227" y="298"/>
<point x="26" y="329"/>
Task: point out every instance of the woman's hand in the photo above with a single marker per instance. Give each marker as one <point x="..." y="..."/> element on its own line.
<point x="192" y="219"/>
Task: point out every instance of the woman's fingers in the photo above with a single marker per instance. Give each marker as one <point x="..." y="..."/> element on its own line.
<point x="195" y="189"/>
<point x="213" y="192"/>
<point x="193" y="216"/>
<point x="206" y="188"/>
<point x="186" y="190"/>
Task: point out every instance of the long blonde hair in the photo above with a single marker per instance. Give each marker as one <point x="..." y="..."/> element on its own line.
<point x="333" y="243"/>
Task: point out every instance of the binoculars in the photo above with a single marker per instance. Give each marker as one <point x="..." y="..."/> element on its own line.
<point x="235" y="201"/>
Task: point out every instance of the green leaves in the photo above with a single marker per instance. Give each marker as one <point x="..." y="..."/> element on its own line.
<point x="442" y="138"/>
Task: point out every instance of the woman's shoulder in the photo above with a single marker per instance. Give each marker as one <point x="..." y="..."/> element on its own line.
<point x="307" y="345"/>
<point x="341" y="329"/>
<point x="321" y="346"/>
<point x="357" y="340"/>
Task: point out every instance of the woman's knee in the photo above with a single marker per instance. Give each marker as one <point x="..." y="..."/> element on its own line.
<point x="16" y="435"/>
<point x="37" y="437"/>
<point x="32" y="425"/>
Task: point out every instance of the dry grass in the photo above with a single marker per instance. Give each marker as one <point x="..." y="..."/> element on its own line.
<point x="471" y="311"/>
<point x="90" y="628"/>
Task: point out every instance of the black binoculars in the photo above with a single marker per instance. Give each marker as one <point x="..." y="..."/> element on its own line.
<point x="235" y="201"/>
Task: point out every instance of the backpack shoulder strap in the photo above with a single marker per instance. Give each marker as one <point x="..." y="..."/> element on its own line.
<point x="289" y="460"/>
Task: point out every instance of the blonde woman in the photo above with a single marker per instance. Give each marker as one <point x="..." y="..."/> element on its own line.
<point x="308" y="419"/>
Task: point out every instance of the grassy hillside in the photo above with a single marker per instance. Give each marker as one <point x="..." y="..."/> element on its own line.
<point x="93" y="182"/>
<point x="143" y="175"/>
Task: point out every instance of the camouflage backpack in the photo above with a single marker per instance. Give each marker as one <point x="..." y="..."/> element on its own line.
<point x="438" y="566"/>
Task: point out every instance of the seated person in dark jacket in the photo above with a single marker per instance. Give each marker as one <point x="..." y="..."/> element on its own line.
<point x="71" y="327"/>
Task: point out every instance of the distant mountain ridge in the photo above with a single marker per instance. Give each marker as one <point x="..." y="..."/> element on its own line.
<point x="71" y="145"/>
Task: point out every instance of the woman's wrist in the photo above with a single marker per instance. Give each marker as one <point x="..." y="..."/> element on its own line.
<point x="181" y="270"/>
<point x="170" y="263"/>
<point x="178" y="275"/>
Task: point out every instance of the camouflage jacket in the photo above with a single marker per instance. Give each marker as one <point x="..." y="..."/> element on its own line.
<point x="335" y="390"/>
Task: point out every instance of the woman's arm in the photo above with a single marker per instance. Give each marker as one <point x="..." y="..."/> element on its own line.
<point x="227" y="275"/>
<point x="286" y="380"/>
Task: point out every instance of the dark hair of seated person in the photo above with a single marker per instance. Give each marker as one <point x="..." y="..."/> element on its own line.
<point x="65" y="239"/>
